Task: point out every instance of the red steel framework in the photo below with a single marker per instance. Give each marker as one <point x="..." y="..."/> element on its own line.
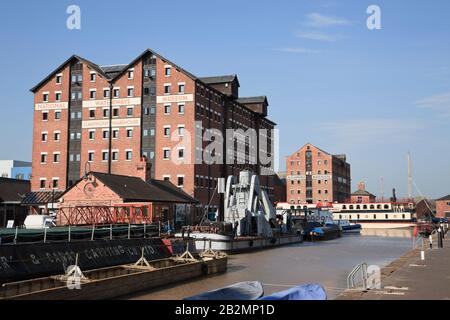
<point x="98" y="215"/>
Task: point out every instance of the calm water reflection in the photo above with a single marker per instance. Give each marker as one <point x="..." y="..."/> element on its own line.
<point x="327" y="263"/>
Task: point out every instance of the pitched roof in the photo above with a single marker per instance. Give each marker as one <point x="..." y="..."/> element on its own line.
<point x="363" y="193"/>
<point x="134" y="189"/>
<point x="40" y="198"/>
<point x="58" y="69"/>
<point x="12" y="190"/>
<point x="444" y="198"/>
<point x="260" y="99"/>
<point x="113" y="70"/>
<point x="219" y="79"/>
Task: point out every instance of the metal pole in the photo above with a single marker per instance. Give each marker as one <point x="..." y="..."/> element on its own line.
<point x="69" y="233"/>
<point x="15" y="236"/>
<point x="159" y="228"/>
<point x="110" y="232"/>
<point x="145" y="228"/>
<point x="93" y="232"/>
<point x="129" y="231"/>
<point x="45" y="235"/>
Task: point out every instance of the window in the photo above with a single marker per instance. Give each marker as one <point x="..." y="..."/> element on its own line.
<point x="92" y="135"/>
<point x="146" y="91"/>
<point x="79" y="115"/>
<point x="181" y="131"/>
<point x="130" y="92"/>
<point x="152" y="132"/>
<point x="72" y="136"/>
<point x="115" y="133"/>
<point x="105" y="113"/>
<point x="167" y="71"/>
<point x="43" y="158"/>
<point x="78" y="157"/>
<point x="166" y="154"/>
<point x="57" y="115"/>
<point x="129" y="155"/>
<point x="92" y="113"/>
<point x="167" y="109"/>
<point x="181" y="88"/>
<point x="180" y="181"/>
<point x="93" y="77"/>
<point x="105" y="155"/>
<point x="44" y="136"/>
<point x="45" y="97"/>
<point x="55" y="183"/>
<point x="59" y="79"/>
<point x="105" y="134"/>
<point x="166" y="178"/>
<point x="116" y="112"/>
<point x="78" y="135"/>
<point x="43" y="183"/>
<point x="56" y="157"/>
<point x="58" y="96"/>
<point x="181" y="108"/>
<point x="129" y="133"/>
<point x="167" y="89"/>
<point x="57" y="136"/>
<point x="130" y="111"/>
<point x="106" y="93"/>
<point x="92" y="94"/>
<point x="91" y="156"/>
<point x="116" y="93"/>
<point x="115" y="156"/>
<point x="167" y="131"/>
<point x="181" y="153"/>
<point x="44" y="116"/>
<point x="130" y="74"/>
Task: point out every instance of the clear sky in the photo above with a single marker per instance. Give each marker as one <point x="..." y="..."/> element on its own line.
<point x="372" y="94"/>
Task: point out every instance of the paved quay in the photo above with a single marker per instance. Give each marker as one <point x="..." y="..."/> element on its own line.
<point x="410" y="278"/>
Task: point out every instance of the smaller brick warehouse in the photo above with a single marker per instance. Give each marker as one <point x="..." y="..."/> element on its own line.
<point x="123" y="199"/>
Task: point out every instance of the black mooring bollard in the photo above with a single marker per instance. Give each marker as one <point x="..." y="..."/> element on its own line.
<point x="440" y="242"/>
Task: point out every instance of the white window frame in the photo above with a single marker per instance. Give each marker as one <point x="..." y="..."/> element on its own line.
<point x="46" y="134"/>
<point x="128" y="89"/>
<point x="95" y="76"/>
<point x="164" y="154"/>
<point x="59" y="133"/>
<point x="90" y="94"/>
<point x="184" y="180"/>
<point x="118" y="155"/>
<point x="45" y="93"/>
<point x="184" y="130"/>
<point x="54" y="154"/>
<point x="46" y="157"/>
<point x="118" y="133"/>
<point x="60" y="96"/>
<point x="167" y="127"/>
<point x="107" y="152"/>
<point x="89" y="136"/>
<point x="59" y="75"/>
<point x="126" y="153"/>
<point x="132" y="74"/>
<point x="45" y="184"/>
<point x="178" y="153"/>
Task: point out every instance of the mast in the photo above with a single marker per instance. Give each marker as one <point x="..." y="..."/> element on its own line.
<point x="410" y="178"/>
<point x="382" y="189"/>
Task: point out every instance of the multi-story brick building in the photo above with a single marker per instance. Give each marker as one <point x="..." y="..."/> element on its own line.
<point x="108" y="118"/>
<point x="314" y="176"/>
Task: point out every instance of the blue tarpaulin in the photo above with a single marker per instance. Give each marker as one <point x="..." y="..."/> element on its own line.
<point x="305" y="292"/>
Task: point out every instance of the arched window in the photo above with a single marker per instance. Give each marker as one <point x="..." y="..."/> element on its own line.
<point x="344" y="207"/>
<point x="386" y="206"/>
<point x="372" y="207"/>
<point x="351" y="207"/>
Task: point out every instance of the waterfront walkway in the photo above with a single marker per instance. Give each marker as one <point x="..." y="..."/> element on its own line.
<point x="410" y="278"/>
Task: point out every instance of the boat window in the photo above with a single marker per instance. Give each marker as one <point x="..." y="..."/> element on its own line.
<point x="379" y="206"/>
<point x="403" y="216"/>
<point x="351" y="207"/>
<point x="340" y="217"/>
<point x="358" y="217"/>
<point x="387" y="217"/>
<point x="358" y="207"/>
<point x="344" y="207"/>
<point x="372" y="207"/>
<point x="375" y="217"/>
<point x="386" y="206"/>
<point x="350" y="217"/>
<point x="365" y="207"/>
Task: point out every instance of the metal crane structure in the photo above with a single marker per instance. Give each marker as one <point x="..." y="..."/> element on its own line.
<point x="248" y="207"/>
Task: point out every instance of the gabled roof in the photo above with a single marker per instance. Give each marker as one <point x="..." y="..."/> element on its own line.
<point x="134" y="189"/>
<point x="444" y="198"/>
<point x="74" y="57"/>
<point x="249" y="100"/>
<point x="12" y="190"/>
<point x="220" y="79"/>
<point x="113" y="70"/>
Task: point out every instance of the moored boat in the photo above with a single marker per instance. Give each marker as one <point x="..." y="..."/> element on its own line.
<point x="249" y="290"/>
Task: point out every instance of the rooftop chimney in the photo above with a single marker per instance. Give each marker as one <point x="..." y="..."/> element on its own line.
<point x="144" y="169"/>
<point x="362" y="186"/>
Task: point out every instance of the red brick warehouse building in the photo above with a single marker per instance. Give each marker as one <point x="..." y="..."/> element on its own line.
<point x="314" y="176"/>
<point x="106" y="118"/>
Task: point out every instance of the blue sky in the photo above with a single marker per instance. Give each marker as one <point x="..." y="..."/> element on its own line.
<point x="330" y="81"/>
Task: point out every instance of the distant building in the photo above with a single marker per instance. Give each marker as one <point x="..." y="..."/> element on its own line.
<point x="443" y="207"/>
<point x="314" y="176"/>
<point x="14" y="169"/>
<point x="362" y="195"/>
<point x="12" y="192"/>
<point x="425" y="209"/>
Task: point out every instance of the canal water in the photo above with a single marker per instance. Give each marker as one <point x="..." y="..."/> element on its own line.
<point x="327" y="263"/>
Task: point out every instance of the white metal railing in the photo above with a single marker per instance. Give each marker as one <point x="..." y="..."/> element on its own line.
<point x="359" y="269"/>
